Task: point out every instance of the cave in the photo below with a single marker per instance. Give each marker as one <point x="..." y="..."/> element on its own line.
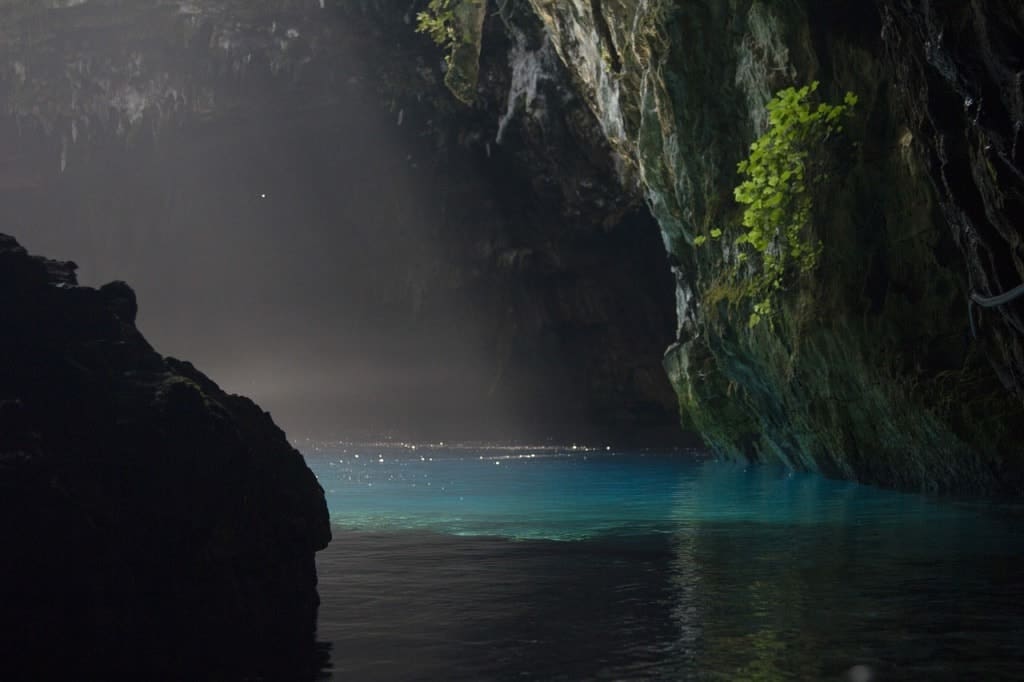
<point x="552" y="339"/>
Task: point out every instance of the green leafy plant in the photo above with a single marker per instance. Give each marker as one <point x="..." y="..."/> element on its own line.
<point x="457" y="26"/>
<point x="784" y="167"/>
<point x="438" y="22"/>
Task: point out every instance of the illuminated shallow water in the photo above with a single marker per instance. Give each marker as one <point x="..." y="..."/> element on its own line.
<point x="485" y="563"/>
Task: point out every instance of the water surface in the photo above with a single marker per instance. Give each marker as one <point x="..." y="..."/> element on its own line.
<point x="548" y="564"/>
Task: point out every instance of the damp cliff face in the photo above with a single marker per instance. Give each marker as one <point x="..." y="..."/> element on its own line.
<point x="869" y="369"/>
<point x="147" y="518"/>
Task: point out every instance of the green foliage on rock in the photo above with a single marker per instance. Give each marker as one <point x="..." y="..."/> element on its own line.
<point x="780" y="176"/>
<point x="438" y="22"/>
<point x="457" y="27"/>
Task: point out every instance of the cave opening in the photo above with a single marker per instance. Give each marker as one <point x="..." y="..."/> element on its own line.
<point x="362" y="267"/>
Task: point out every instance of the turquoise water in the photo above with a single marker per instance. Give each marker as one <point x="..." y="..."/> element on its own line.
<point x="546" y="563"/>
<point x="565" y="494"/>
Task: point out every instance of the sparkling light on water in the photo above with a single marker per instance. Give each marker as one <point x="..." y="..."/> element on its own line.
<point x="576" y="493"/>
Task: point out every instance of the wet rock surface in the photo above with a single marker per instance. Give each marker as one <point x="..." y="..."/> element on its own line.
<point x="149" y="521"/>
<point x="959" y="69"/>
<point x="870" y="370"/>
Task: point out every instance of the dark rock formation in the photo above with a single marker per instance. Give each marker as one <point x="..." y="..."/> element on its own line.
<point x="958" y="76"/>
<point x="149" y="522"/>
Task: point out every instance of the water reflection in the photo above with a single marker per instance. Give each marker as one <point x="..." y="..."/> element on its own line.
<point x="686" y="607"/>
<point x="693" y="570"/>
<point x="804" y="578"/>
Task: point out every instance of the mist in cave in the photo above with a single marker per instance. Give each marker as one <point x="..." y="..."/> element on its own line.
<point x="312" y="249"/>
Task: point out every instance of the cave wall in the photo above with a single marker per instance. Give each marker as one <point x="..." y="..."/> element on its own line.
<point x="870" y="370"/>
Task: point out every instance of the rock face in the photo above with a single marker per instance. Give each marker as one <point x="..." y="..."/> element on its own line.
<point x="870" y="370"/>
<point x="146" y="517"/>
<point x="574" y="277"/>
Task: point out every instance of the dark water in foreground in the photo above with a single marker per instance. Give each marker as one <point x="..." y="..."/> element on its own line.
<point x="454" y="564"/>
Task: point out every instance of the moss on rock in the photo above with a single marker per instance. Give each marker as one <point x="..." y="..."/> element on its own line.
<point x="869" y="371"/>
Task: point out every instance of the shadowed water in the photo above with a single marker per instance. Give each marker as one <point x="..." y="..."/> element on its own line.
<point x="483" y="563"/>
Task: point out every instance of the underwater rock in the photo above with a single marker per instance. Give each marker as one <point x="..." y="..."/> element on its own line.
<point x="147" y="518"/>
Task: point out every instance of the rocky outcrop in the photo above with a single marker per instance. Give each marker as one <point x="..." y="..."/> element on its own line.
<point x="869" y="370"/>
<point x="148" y="520"/>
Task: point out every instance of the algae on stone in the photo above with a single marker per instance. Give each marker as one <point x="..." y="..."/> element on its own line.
<point x="457" y="26"/>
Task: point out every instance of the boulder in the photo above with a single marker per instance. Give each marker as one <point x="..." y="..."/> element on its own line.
<point x="149" y="521"/>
